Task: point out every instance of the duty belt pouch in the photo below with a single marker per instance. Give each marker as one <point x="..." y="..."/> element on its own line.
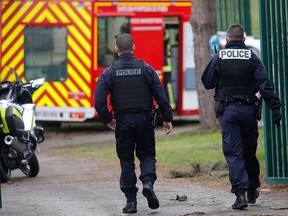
<point x="219" y="108"/>
<point x="258" y="109"/>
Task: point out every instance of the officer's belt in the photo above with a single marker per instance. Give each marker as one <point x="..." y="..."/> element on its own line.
<point x="240" y="102"/>
<point x="136" y="110"/>
<point x="244" y="90"/>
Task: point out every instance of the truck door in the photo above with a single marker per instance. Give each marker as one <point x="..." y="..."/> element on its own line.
<point x="147" y="33"/>
<point x="171" y="58"/>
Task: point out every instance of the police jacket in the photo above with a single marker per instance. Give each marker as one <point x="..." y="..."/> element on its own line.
<point x="237" y="73"/>
<point x="150" y="85"/>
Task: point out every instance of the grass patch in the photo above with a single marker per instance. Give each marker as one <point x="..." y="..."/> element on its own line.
<point x="101" y="150"/>
<point x="195" y="154"/>
<point x="190" y="147"/>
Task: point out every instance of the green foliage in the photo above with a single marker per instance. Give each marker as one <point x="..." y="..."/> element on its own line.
<point x="254" y="6"/>
<point x="100" y="150"/>
<point x="187" y="154"/>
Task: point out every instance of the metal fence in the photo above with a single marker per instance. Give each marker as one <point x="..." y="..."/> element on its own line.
<point x="233" y="11"/>
<point x="273" y="31"/>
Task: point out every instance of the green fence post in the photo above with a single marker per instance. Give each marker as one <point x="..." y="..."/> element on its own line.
<point x="233" y="11"/>
<point x="247" y="17"/>
<point x="285" y="68"/>
<point x="273" y="21"/>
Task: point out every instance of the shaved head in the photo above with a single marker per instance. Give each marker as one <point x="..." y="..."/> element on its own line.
<point x="235" y="32"/>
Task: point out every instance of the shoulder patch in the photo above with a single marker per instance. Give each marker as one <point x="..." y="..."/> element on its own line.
<point x="243" y="54"/>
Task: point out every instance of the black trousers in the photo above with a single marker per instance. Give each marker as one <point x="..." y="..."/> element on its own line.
<point x="135" y="136"/>
<point x="239" y="143"/>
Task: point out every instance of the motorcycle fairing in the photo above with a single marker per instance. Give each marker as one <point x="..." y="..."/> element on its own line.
<point x="12" y="121"/>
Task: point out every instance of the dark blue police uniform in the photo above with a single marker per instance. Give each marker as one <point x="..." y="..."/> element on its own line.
<point x="132" y="85"/>
<point x="237" y="74"/>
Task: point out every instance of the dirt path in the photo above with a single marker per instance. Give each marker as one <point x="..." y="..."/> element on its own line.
<point x="89" y="187"/>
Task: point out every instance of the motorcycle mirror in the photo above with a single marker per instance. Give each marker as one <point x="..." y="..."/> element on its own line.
<point x="37" y="82"/>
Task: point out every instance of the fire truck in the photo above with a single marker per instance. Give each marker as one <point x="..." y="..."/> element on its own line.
<point x="70" y="43"/>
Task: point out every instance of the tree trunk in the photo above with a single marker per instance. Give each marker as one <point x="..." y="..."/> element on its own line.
<point x="203" y="21"/>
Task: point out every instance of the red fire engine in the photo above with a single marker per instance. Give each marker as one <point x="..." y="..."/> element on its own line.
<point x="70" y="43"/>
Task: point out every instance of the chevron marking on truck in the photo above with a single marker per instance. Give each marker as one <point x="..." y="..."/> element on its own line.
<point x="18" y="14"/>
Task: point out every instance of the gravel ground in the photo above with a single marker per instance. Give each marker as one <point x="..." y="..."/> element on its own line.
<point x="89" y="187"/>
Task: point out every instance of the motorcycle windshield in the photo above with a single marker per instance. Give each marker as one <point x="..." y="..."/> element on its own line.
<point x="8" y="74"/>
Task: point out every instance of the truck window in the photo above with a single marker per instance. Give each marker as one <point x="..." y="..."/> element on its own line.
<point x="45" y="53"/>
<point x="108" y="29"/>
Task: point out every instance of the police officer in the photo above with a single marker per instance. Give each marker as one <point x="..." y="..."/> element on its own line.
<point x="237" y="74"/>
<point x="132" y="85"/>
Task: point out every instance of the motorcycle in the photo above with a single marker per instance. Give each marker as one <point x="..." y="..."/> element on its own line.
<point x="19" y="135"/>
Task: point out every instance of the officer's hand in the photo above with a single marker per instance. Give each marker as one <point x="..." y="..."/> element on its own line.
<point x="276" y="116"/>
<point x="112" y="124"/>
<point x="167" y="127"/>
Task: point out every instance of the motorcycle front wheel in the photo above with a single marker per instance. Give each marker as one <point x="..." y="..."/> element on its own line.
<point x="32" y="168"/>
<point x="5" y="172"/>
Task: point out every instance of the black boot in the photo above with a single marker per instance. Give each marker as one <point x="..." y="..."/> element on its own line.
<point x="131" y="207"/>
<point x="148" y="192"/>
<point x="252" y="195"/>
<point x="240" y="202"/>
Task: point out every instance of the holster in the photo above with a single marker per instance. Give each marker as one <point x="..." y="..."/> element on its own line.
<point x="155" y="112"/>
<point x="219" y="108"/>
<point x="258" y="109"/>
